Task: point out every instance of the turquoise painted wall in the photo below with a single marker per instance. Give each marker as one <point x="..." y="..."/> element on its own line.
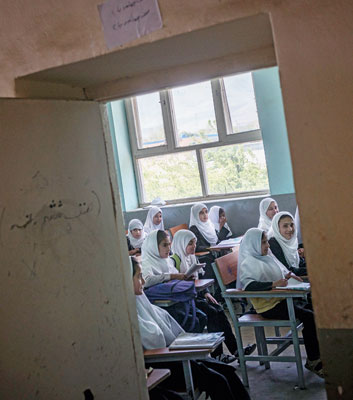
<point x="122" y="154"/>
<point x="274" y="132"/>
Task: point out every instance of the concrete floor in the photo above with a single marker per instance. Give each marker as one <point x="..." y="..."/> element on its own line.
<point x="280" y="381"/>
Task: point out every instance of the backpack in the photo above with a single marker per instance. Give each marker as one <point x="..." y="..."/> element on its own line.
<point x="178" y="291"/>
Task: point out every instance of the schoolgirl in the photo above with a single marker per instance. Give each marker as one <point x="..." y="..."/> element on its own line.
<point x="135" y="236"/>
<point x="154" y="220"/>
<point x="206" y="236"/>
<point x="158" y="329"/>
<point x="203" y="228"/>
<point x="218" y="218"/>
<point x="260" y="271"/>
<point x="158" y="267"/>
<point x="284" y="243"/>
<point x="268" y="209"/>
<point x="183" y="248"/>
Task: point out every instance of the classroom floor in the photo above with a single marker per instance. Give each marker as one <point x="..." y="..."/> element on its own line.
<point x="280" y="381"/>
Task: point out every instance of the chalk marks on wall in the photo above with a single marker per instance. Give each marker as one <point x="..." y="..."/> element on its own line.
<point x="66" y="210"/>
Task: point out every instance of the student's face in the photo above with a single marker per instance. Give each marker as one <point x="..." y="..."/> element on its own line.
<point x="138" y="281"/>
<point x="286" y="227"/>
<point x="191" y="247"/>
<point x="203" y="215"/>
<point x="164" y="248"/>
<point x="157" y="219"/>
<point x="264" y="245"/>
<point x="272" y="210"/>
<point x="136" y="233"/>
<point x="222" y="215"/>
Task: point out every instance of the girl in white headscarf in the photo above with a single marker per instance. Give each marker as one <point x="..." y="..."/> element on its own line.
<point x="207" y="237"/>
<point x="258" y="270"/>
<point x="158" y="329"/>
<point x="268" y="208"/>
<point x="158" y="267"/>
<point x="183" y="248"/>
<point x="135" y="236"/>
<point x="218" y="218"/>
<point x="284" y="243"/>
<point x="154" y="220"/>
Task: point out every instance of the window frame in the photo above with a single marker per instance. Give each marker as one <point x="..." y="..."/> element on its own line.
<point x="225" y="137"/>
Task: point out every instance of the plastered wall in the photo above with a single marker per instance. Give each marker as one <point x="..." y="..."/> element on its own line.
<point x="242" y="213"/>
<point x="313" y="44"/>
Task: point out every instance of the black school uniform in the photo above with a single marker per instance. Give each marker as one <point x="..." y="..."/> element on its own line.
<point x="277" y="251"/>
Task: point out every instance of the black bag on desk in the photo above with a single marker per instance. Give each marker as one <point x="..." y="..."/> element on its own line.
<point x="177" y="291"/>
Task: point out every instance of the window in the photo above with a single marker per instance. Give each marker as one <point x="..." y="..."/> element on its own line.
<point x="197" y="142"/>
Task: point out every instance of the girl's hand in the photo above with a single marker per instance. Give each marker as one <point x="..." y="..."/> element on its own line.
<point x="291" y="275"/>
<point x="301" y="252"/>
<point x="133" y="252"/>
<point x="281" y="283"/>
<point x="179" y="277"/>
<point x="210" y="298"/>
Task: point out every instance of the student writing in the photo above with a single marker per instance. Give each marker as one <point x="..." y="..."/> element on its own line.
<point x="260" y="271"/>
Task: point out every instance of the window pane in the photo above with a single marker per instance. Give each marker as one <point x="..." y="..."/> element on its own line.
<point x="150" y="129"/>
<point x="241" y="102"/>
<point x="173" y="176"/>
<point x="236" y="168"/>
<point x="194" y="114"/>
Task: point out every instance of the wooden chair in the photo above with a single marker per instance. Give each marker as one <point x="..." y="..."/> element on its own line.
<point x="177" y="228"/>
<point x="225" y="269"/>
<point x="185" y="356"/>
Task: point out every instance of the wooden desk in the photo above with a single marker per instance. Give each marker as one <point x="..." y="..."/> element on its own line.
<point x="166" y="355"/>
<point x="157" y="376"/>
<point x="222" y="247"/>
<point x="202" y="253"/>
<point x="202" y="284"/>
<point x="230" y="246"/>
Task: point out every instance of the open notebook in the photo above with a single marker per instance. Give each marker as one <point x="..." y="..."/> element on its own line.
<point x="197" y="340"/>
<point x="193" y="269"/>
<point x="295" y="285"/>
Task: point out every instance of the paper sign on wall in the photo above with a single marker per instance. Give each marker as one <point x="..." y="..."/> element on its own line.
<point x="127" y="20"/>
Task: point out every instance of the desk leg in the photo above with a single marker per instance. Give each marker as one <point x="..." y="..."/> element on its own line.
<point x="188" y="379"/>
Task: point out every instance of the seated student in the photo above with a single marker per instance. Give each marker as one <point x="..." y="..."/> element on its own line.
<point x="154" y="220"/>
<point x="284" y="243"/>
<point x="135" y="237"/>
<point x="183" y="248"/>
<point x="260" y="271"/>
<point x="158" y="267"/>
<point x="268" y="209"/>
<point x="203" y="228"/>
<point x="158" y="329"/>
<point x="206" y="236"/>
<point x="217" y="216"/>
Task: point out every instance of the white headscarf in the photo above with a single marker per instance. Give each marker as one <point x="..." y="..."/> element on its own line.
<point x="289" y="247"/>
<point x="152" y="263"/>
<point x="297" y="225"/>
<point x="180" y="241"/>
<point x="206" y="229"/>
<point x="252" y="266"/>
<point x="136" y="224"/>
<point x="157" y="328"/>
<point x="213" y="215"/>
<point x="149" y="225"/>
<point x="264" y="221"/>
